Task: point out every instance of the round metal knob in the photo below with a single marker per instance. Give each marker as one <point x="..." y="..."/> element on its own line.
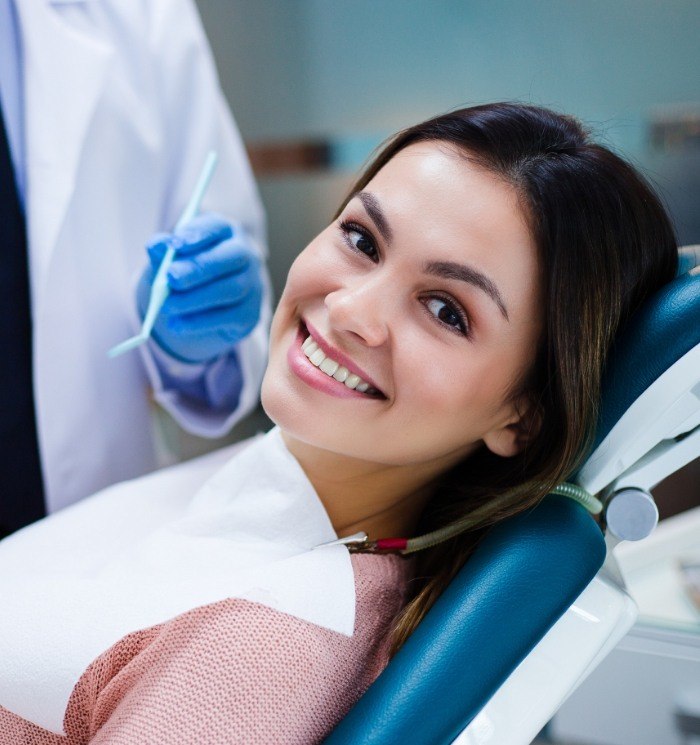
<point x="631" y="514"/>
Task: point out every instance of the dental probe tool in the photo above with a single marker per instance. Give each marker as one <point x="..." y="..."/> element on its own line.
<point x="160" y="289"/>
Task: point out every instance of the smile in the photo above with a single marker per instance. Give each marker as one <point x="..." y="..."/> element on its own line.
<point x="334" y="369"/>
<point x="314" y="361"/>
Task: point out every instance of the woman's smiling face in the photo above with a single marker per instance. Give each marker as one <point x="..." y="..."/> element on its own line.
<point x="426" y="289"/>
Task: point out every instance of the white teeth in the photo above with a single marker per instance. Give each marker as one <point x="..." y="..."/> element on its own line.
<point x="317" y="357"/>
<point x="341" y="373"/>
<point x="332" y="368"/>
<point x="352" y="381"/>
<point x="329" y="366"/>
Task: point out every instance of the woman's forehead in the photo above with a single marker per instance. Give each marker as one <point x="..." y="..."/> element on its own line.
<point x="433" y="187"/>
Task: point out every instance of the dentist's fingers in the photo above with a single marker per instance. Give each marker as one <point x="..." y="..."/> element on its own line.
<point x="223" y="291"/>
<point x="219" y="326"/>
<point x="229" y="257"/>
<point x="157" y="247"/>
<point x="202" y="232"/>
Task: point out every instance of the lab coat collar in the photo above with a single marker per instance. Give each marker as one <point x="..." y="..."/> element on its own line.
<point x="250" y="532"/>
<point x="63" y="72"/>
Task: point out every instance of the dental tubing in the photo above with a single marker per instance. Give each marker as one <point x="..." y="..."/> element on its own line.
<point x="580" y="495"/>
<point x="361" y="543"/>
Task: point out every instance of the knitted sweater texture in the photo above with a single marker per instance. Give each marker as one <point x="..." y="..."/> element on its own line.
<point x="231" y="672"/>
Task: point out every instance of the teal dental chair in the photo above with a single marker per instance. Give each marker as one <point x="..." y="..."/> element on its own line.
<point x="541" y="602"/>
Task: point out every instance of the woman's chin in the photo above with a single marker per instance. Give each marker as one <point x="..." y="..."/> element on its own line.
<point x="296" y="421"/>
<point x="285" y="407"/>
<point x="270" y="400"/>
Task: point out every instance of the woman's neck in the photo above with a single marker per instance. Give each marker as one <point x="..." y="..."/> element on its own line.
<point x="381" y="500"/>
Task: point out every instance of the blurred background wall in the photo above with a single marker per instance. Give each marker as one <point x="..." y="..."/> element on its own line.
<point x="357" y="70"/>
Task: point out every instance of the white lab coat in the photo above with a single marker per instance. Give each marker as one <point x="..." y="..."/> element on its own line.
<point x="121" y="106"/>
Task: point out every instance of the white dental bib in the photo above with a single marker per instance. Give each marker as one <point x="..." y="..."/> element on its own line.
<point x="144" y="551"/>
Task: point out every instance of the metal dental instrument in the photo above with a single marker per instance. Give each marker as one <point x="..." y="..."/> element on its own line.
<point x="160" y="289"/>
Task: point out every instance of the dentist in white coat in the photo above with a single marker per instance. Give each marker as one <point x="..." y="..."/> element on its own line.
<point x="110" y="107"/>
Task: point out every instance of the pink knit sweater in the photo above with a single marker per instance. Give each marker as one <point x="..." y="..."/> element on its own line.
<point x="231" y="672"/>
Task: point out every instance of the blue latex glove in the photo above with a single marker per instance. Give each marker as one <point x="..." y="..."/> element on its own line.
<point x="215" y="289"/>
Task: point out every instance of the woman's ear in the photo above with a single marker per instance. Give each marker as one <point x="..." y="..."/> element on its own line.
<point x="512" y="437"/>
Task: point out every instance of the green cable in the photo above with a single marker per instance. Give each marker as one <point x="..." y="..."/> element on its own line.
<point x="580" y="495"/>
<point x="572" y="491"/>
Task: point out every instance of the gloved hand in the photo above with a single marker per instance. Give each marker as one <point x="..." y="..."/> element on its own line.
<point x="215" y="289"/>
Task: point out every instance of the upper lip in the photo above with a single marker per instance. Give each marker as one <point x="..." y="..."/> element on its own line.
<point x="338" y="356"/>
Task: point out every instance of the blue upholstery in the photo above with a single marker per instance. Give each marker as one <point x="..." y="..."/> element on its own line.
<point x="664" y="329"/>
<point x="519" y="581"/>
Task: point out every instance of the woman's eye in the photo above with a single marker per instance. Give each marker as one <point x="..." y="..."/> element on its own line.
<point x="447" y="314"/>
<point x="359" y="240"/>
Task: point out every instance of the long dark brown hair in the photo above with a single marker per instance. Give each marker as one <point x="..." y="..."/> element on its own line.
<point x="605" y="243"/>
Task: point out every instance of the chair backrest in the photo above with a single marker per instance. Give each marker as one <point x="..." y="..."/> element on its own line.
<point x="524" y="575"/>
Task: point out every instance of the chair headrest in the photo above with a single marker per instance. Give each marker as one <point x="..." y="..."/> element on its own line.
<point x="661" y="332"/>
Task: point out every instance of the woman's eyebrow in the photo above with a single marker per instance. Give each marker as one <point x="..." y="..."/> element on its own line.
<point x="464" y="273"/>
<point x="445" y="269"/>
<point x="371" y="205"/>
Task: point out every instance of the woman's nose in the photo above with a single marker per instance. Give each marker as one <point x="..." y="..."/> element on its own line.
<point x="361" y="310"/>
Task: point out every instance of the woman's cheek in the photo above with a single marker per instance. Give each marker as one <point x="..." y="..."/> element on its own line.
<point x="317" y="269"/>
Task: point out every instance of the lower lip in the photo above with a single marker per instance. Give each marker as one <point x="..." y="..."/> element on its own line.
<point x="315" y="378"/>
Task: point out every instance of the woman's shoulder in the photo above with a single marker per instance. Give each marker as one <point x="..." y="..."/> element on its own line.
<point x="381" y="581"/>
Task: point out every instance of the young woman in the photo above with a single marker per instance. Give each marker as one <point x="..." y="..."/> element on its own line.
<point x="436" y="354"/>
